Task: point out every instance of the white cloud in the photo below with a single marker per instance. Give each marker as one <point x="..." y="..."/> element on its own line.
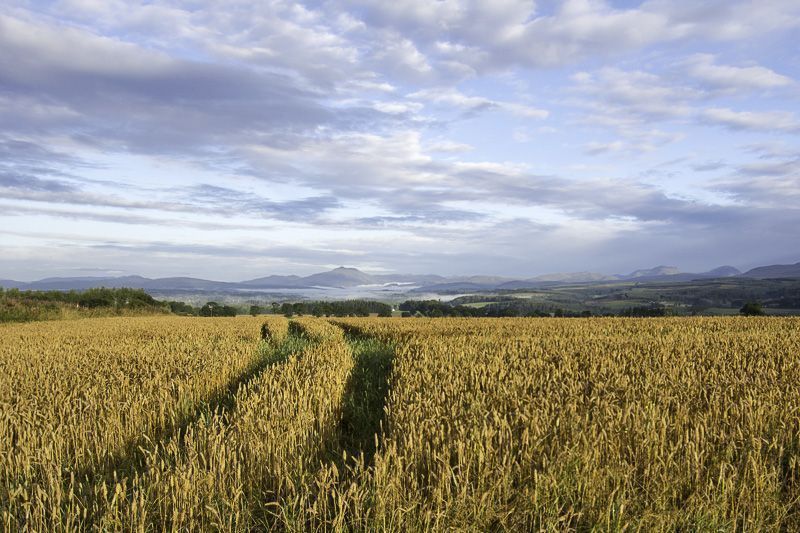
<point x="771" y="121"/>
<point x="595" y="147"/>
<point x="636" y="92"/>
<point x="456" y="99"/>
<point x="353" y="112"/>
<point x="525" y="110"/>
<point x="402" y="58"/>
<point x="703" y="68"/>
<point x="26" y="50"/>
<point x="452" y="97"/>
<point x="398" y="107"/>
<point x="450" y="147"/>
<point x="487" y="36"/>
<point x="646" y="141"/>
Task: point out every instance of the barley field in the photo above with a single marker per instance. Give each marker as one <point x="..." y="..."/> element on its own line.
<point x="253" y="424"/>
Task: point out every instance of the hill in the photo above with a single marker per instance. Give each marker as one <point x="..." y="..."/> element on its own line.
<point x="774" y="271"/>
<point x="339" y="277"/>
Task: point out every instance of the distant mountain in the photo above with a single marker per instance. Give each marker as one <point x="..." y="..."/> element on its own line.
<point x="549" y="280"/>
<point x="774" y="271"/>
<point x="574" y="277"/>
<point x="726" y="271"/>
<point x="134" y="282"/>
<point x="83" y="283"/>
<point x="532" y="283"/>
<point x="188" y="284"/>
<point x="274" y="282"/>
<point x="652" y="272"/>
<point x="666" y="273"/>
<point x="342" y="277"/>
<point x="659" y="273"/>
<point x="346" y="278"/>
<point x="465" y="284"/>
<point x="339" y="277"/>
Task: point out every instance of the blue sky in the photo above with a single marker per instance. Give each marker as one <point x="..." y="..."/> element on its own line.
<point x="230" y="140"/>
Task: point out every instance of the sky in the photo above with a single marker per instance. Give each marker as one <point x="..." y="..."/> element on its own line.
<point x="232" y="140"/>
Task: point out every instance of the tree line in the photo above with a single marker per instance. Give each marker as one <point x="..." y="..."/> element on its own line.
<point x="89" y="298"/>
<point x="522" y="308"/>
<point x="437" y="308"/>
<point x="21" y="306"/>
<point x="336" y="308"/>
<point x="18" y="305"/>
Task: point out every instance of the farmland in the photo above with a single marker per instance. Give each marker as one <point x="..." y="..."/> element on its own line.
<point x="153" y="423"/>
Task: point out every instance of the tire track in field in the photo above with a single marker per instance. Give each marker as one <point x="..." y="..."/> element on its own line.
<point x="224" y="400"/>
<point x="346" y="465"/>
<point x="132" y="459"/>
<point x="364" y="400"/>
<point x="364" y="403"/>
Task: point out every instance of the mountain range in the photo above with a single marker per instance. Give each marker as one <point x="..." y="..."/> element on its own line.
<point x="344" y="277"/>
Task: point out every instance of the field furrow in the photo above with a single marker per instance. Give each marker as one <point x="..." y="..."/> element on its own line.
<point x="256" y="464"/>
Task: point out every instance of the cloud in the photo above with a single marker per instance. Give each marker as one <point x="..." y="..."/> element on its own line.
<point x="118" y="96"/>
<point x="92" y="214"/>
<point x="14" y="181"/>
<point x="638" y="94"/>
<point x="341" y="125"/>
<point x="454" y="98"/>
<point x="770" y="121"/>
<point x="482" y="37"/>
<point x="29" y="168"/>
<point x="709" y="166"/>
<point x="278" y="34"/>
<point x="472" y="105"/>
<point x="729" y="78"/>
<point x="202" y="200"/>
<point x="767" y="187"/>
<point x="223" y="199"/>
<point x="30" y="172"/>
<point x="595" y="148"/>
<point x="404" y="60"/>
<point x="647" y="141"/>
<point x="630" y="101"/>
<point x="449" y="147"/>
<point x="772" y="149"/>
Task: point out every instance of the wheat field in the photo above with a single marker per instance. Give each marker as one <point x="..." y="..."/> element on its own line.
<point x="252" y="424"/>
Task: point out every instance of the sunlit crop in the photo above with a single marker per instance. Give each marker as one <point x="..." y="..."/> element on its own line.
<point x="165" y="423"/>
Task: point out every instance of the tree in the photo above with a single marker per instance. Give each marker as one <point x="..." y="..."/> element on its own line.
<point x="210" y="309"/>
<point x="752" y="309"/>
<point x="255" y="310"/>
<point x="214" y="309"/>
<point x="181" y="308"/>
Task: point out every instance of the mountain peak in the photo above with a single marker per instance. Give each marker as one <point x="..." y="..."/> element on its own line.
<point x="340" y="277"/>
<point x="724" y="271"/>
<point x="774" y="271"/>
<point x="661" y="270"/>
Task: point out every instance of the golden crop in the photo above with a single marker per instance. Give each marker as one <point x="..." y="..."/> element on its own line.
<point x="152" y="424"/>
<point x="663" y="424"/>
<point x="78" y="399"/>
